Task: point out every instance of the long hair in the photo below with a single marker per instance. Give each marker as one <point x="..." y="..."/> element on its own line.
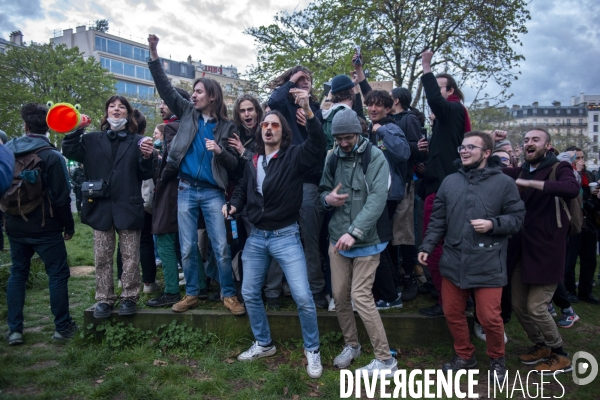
<point x="286" y="133"/>
<point x="285" y="78"/>
<point x="217" y="107"/>
<point x="131" y="124"/>
<point x="452" y="85"/>
<point x="236" y="109"/>
<point x="404" y="96"/>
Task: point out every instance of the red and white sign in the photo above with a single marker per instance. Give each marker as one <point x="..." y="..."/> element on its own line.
<point x="213" y="69"/>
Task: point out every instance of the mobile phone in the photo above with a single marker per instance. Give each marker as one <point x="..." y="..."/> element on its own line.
<point x="326" y="88"/>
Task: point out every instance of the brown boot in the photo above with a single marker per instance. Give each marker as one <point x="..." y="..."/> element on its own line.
<point x="555" y="364"/>
<point x="536" y="354"/>
<point x="188" y="302"/>
<point x="234" y="305"/>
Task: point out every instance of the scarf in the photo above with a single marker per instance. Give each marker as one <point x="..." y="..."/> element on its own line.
<point x="548" y="160"/>
<point x="453" y="98"/>
<point x="172" y="119"/>
<point x="585" y="182"/>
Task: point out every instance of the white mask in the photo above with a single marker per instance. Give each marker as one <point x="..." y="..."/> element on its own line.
<point x="116" y="124"/>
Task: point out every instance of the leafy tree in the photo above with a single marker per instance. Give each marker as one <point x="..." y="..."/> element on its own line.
<point x="472" y="39"/>
<point x="101" y="25"/>
<point x="43" y="72"/>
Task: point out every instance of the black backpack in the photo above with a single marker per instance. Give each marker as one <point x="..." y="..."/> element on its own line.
<point x="365" y="160"/>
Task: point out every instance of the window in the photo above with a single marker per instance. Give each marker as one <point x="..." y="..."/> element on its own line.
<point x="116" y="67"/>
<point x="580" y="121"/>
<point x="134" y="90"/>
<point x="121" y="49"/>
<point x="129" y="69"/>
<point x="545" y="121"/>
<point x="534" y="121"/>
<point x="557" y="122"/>
<point x="123" y="68"/>
<point x="166" y="66"/>
<point x="595" y="149"/>
<point x="595" y="128"/>
<point x="126" y="50"/>
<point x="568" y="111"/>
<point x="546" y="111"/>
<point x="535" y="111"/>
<point x="557" y="111"/>
<point x="568" y="121"/>
<point x="596" y="118"/>
<point x="183" y="69"/>
<point x="595" y="138"/>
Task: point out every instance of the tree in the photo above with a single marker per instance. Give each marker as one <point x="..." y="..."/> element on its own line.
<point x="101" y="25"/>
<point x="472" y="39"/>
<point x="43" y="72"/>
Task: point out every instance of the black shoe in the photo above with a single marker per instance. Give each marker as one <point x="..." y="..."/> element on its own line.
<point x="572" y="298"/>
<point x="164" y="299"/>
<point x="127" y="308"/>
<point x="273" y="303"/>
<point x="321" y="301"/>
<point x="410" y="287"/>
<point x="102" y="310"/>
<point x="425" y="288"/>
<point x="589" y="299"/>
<point x="203" y="294"/>
<point x="458" y="363"/>
<point x="433" y="311"/>
<point x="216" y="297"/>
<point x="498" y="368"/>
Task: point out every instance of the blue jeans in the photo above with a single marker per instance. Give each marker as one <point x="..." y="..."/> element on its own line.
<point x="53" y="253"/>
<point x="285" y="247"/>
<point x="190" y="201"/>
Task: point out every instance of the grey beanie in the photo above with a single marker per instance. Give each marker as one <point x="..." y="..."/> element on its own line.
<point x="345" y="122"/>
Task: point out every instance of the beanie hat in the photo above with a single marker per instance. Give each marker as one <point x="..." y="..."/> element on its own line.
<point x="3" y="137"/>
<point x="345" y="122"/>
<point x="340" y="83"/>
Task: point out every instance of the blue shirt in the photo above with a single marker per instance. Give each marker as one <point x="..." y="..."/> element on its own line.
<point x="197" y="160"/>
<point x="363" y="251"/>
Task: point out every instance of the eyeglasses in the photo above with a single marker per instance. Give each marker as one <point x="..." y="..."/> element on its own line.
<point x="265" y="124"/>
<point x="468" y="148"/>
<point x="504" y="159"/>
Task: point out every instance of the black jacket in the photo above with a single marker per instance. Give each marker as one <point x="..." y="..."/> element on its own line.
<point x="56" y="182"/>
<point x="280" y="101"/>
<point x="282" y="186"/>
<point x="164" y="208"/>
<point x="448" y="134"/>
<point x="124" y="208"/>
<point x="410" y="125"/>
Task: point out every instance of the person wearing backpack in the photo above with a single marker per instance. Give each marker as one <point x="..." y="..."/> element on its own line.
<point x="359" y="230"/>
<point x="40" y="225"/>
<point x="537" y="253"/>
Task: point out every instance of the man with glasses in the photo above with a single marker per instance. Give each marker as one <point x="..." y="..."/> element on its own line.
<point x="451" y="122"/>
<point x="475" y="210"/>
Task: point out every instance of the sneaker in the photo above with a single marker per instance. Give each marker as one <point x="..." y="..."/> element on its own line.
<point x="188" y="302"/>
<point x="158" y="263"/>
<point x="314" y="367"/>
<point x="67" y="333"/>
<point x="479" y="332"/>
<point x="181" y="276"/>
<point x="568" y="318"/>
<point x="320" y="301"/>
<point x="120" y="284"/>
<point x="410" y="287"/>
<point x="14" y="338"/>
<point x="257" y="351"/>
<point x="151" y="287"/>
<point x="234" y="305"/>
<point x="127" y="308"/>
<point x="555" y="364"/>
<point x="376" y="365"/>
<point x="536" y="354"/>
<point x="348" y="354"/>
<point x="385" y="305"/>
<point x="498" y="368"/>
<point x="435" y="310"/>
<point x="552" y="310"/>
<point x="273" y="303"/>
<point x="331" y="305"/>
<point x="182" y="282"/>
<point x="589" y="299"/>
<point x="102" y="310"/>
<point x="164" y="299"/>
<point x="573" y="298"/>
<point x="457" y="364"/>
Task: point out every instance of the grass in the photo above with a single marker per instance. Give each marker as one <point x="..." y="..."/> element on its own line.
<point x="86" y="369"/>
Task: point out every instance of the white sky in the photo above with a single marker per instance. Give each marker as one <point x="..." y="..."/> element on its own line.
<point x="562" y="48"/>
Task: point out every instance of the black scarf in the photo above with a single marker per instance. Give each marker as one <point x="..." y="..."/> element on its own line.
<point x="547" y="161"/>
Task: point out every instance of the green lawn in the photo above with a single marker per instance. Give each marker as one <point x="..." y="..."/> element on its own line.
<point x="144" y="365"/>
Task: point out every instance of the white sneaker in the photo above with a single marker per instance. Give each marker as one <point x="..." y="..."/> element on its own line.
<point x="331" y="305"/>
<point x="181" y="276"/>
<point x="376" y="365"/>
<point x="151" y="287"/>
<point x="182" y="282"/>
<point x="257" y="351"/>
<point x="314" y="367"/>
<point x="348" y="354"/>
<point x="479" y="332"/>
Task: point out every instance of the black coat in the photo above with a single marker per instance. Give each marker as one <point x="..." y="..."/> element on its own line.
<point x="124" y="208"/>
<point x="164" y="209"/>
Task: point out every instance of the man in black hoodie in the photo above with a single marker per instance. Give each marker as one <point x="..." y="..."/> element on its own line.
<point x="42" y="231"/>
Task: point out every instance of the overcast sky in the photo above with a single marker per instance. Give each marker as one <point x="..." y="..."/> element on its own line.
<point x="562" y="48"/>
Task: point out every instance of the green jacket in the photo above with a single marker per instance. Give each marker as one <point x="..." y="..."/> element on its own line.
<point x="363" y="215"/>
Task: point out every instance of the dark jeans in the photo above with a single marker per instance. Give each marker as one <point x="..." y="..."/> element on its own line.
<point x="78" y="197"/>
<point x="53" y="253"/>
<point x="146" y="253"/>
<point x="384" y="286"/>
<point x="582" y="245"/>
<point x="560" y="297"/>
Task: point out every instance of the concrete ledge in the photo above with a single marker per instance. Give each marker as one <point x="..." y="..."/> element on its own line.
<point x="401" y="329"/>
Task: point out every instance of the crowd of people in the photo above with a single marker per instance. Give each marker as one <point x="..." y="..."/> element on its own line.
<point x="311" y="200"/>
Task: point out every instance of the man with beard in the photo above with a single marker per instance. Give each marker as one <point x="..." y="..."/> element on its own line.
<point x="536" y="254"/>
<point x="475" y="210"/>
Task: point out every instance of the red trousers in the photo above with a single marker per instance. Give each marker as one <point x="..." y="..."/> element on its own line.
<point x="433" y="261"/>
<point x="488" y="313"/>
